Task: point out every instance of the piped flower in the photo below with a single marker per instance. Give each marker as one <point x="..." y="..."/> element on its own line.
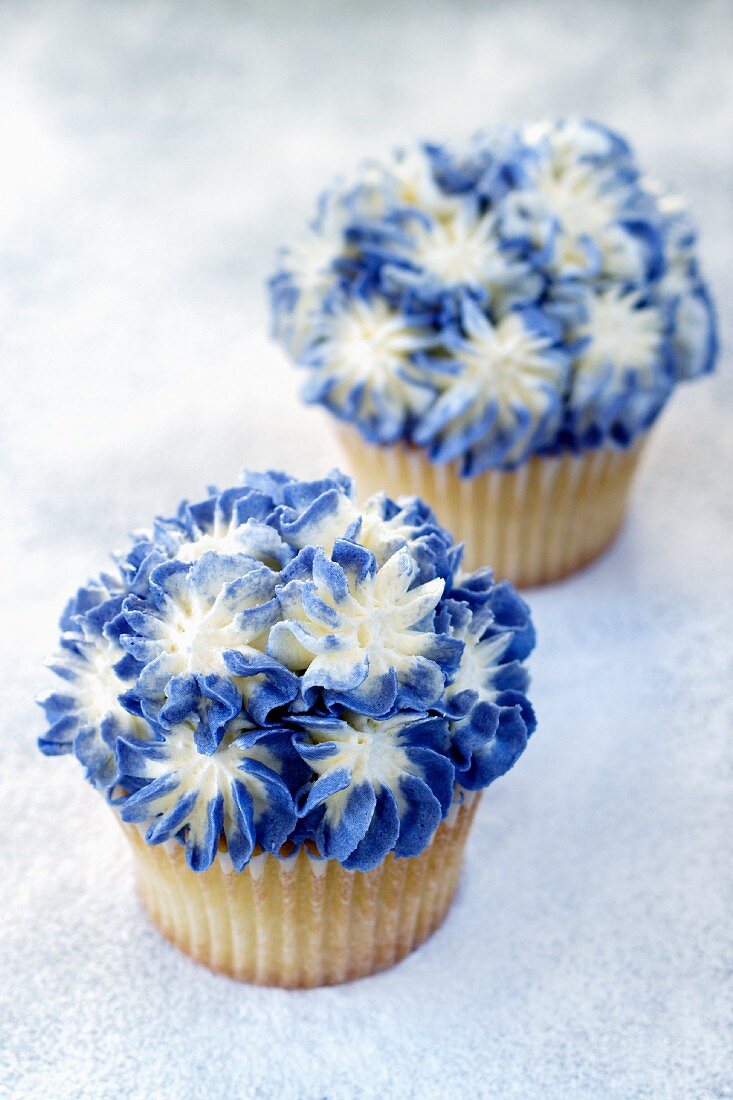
<point x="362" y="354"/>
<point x="86" y="718"/>
<point x="383" y="786"/>
<point x="330" y="512"/>
<point x="364" y="635"/>
<point x="234" y="523"/>
<point x="491" y="718"/>
<point x="502" y="402"/>
<point x="201" y="633"/>
<point x="236" y="791"/>
<point x="619" y="375"/>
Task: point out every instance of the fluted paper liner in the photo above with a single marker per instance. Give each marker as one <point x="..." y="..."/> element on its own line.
<point x="301" y="922"/>
<point x="532" y="525"/>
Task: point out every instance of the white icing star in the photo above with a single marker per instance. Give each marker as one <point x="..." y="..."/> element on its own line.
<point x="621" y="335"/>
<point x="461" y="249"/>
<point x="367" y="347"/>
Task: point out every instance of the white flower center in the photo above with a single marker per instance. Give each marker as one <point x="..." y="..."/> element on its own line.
<point x="195" y="636"/>
<point x="478" y="662"/>
<point x="210" y="774"/>
<point x="185" y="632"/>
<point x="575" y="197"/>
<point x="256" y="540"/>
<point x="620" y="335"/>
<point x="369" y="750"/>
<point x="506" y="362"/>
<point x="458" y="250"/>
<point x="370" y="340"/>
<point x="100" y="686"/>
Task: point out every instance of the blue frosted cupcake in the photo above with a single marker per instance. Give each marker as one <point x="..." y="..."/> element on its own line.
<point x="291" y="702"/>
<point x="496" y="327"/>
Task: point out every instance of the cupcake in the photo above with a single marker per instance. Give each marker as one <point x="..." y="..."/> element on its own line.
<point x="291" y="703"/>
<point x="496" y="328"/>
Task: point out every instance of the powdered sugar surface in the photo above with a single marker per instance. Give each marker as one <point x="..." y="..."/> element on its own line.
<point x="156" y="156"/>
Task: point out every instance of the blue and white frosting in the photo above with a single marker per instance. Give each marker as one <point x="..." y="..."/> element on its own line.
<point x="277" y="665"/>
<point x="529" y="292"/>
<point x="87" y="717"/>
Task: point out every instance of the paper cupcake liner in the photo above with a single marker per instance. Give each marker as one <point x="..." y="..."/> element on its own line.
<point x="532" y="525"/>
<point x="301" y="922"/>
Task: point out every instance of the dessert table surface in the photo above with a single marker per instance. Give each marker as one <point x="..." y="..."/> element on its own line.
<point x="154" y="155"/>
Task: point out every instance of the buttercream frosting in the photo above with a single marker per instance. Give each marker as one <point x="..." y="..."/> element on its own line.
<point x="527" y="292"/>
<point x="279" y="662"/>
<point x="87" y="716"/>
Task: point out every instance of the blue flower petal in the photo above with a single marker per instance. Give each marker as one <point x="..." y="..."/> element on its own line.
<point x="340" y="833"/>
<point x="380" y="837"/>
<point x="420" y="818"/>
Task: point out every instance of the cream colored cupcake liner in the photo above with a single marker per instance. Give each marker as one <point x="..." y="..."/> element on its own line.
<point x="532" y="525"/>
<point x="301" y="922"/>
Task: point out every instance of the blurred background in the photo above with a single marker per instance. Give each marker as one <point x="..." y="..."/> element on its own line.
<point x="153" y="155"/>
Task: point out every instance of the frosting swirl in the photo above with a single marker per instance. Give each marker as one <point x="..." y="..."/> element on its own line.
<point x="278" y="662"/>
<point x="529" y="292"/>
<point x="383" y="785"/>
<point x="88" y="717"/>
<point x="235" y="792"/>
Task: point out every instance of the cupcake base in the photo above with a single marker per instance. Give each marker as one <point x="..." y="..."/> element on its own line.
<point x="301" y="922"/>
<point x="536" y="524"/>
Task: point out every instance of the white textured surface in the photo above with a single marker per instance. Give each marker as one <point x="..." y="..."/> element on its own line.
<point x="153" y="155"/>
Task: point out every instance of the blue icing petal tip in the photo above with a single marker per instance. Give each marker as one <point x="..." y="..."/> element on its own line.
<point x="235" y="688"/>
